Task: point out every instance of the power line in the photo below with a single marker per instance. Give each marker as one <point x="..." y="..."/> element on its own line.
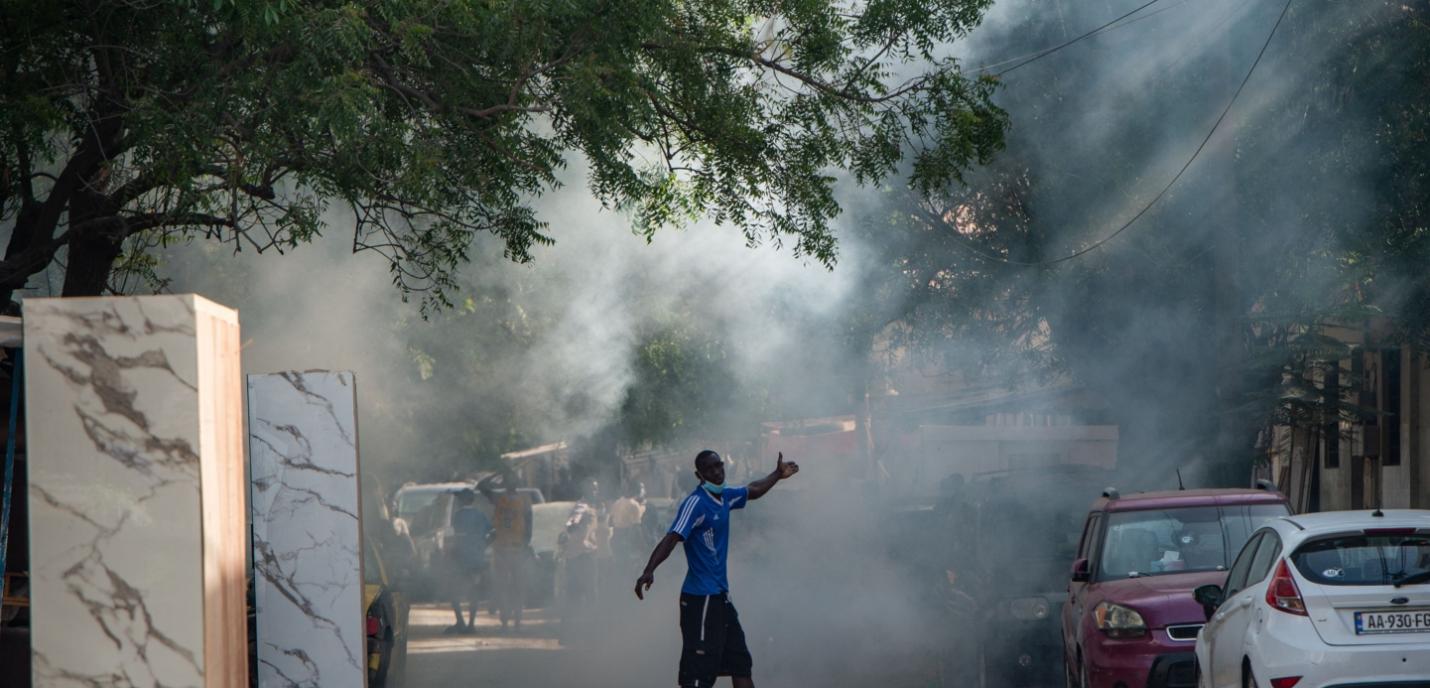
<point x="1034" y="57"/>
<point x="1040" y="54"/>
<point x="1200" y="147"/>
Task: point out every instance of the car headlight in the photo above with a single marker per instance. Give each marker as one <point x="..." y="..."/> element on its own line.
<point x="1029" y="608"/>
<point x="1118" y="621"/>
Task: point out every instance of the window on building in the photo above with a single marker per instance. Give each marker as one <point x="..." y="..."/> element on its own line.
<point x="1390" y="407"/>
<point x="1331" y="431"/>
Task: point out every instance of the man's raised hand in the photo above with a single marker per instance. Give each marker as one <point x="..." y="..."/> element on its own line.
<point x="785" y="469"/>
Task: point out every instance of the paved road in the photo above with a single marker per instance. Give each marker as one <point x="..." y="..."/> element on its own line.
<point x="532" y="656"/>
<point x="640" y="649"/>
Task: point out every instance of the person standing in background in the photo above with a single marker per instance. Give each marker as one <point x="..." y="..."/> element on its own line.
<point x="467" y="557"/>
<point x="579" y="545"/>
<point x="511" y="547"/>
<point x="626" y="515"/>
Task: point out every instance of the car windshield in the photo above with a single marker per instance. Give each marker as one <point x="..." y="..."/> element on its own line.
<point x="411" y="502"/>
<point x="1158" y="541"/>
<point x="1035" y="560"/>
<point x="1045" y="532"/>
<point x="424" y="510"/>
<point x="548" y="522"/>
<point x="1364" y="559"/>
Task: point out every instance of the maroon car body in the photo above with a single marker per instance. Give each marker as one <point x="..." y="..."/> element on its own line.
<point x="1108" y="575"/>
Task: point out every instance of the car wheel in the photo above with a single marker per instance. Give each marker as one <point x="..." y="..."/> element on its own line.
<point x="1248" y="680"/>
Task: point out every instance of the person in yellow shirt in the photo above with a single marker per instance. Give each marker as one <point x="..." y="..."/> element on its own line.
<point x="511" y="547"/>
<point x="626" y="515"/>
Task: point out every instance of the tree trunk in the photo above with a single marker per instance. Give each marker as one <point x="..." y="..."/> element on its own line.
<point x="91" y="258"/>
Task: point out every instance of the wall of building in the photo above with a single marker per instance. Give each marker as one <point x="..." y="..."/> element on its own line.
<point x="1367" y="474"/>
<point x="1418" y="431"/>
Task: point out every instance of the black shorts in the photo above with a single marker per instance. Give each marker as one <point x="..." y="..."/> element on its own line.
<point x="714" y="643"/>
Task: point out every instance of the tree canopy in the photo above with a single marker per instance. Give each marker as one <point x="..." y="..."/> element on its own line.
<point x="1206" y="320"/>
<point x="126" y="123"/>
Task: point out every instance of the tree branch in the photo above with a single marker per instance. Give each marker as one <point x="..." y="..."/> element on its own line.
<point x="16" y="270"/>
<point x="804" y="77"/>
<point x="141" y="223"/>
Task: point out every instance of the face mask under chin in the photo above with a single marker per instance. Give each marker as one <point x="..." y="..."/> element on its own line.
<point x="712" y="488"/>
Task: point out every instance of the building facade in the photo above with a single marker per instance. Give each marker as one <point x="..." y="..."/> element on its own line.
<point x="1367" y="444"/>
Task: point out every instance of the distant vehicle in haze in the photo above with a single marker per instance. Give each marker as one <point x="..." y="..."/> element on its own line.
<point x="425" y="510"/>
<point x="1130" y="620"/>
<point x="548" y="521"/>
<point x="1351" y="589"/>
<point x="999" y="568"/>
<point x="1025" y="527"/>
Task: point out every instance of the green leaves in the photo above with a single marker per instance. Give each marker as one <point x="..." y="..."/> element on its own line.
<point x="684" y="387"/>
<point x="436" y="120"/>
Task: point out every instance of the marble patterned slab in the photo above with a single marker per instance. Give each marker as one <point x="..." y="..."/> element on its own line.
<point x="130" y="449"/>
<point x="306" y="532"/>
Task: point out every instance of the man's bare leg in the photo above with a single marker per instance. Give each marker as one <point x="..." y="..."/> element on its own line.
<point x="746" y="682"/>
<point x="472" y="606"/>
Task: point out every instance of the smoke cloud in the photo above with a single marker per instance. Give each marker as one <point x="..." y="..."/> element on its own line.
<point x="548" y="351"/>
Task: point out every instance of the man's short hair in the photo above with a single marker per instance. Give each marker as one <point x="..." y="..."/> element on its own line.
<point x="706" y="455"/>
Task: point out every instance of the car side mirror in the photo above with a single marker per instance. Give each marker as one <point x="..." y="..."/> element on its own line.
<point x="1210" y="597"/>
<point x="1081" y="572"/>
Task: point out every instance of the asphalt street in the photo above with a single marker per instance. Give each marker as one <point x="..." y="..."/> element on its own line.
<point x="638" y="648"/>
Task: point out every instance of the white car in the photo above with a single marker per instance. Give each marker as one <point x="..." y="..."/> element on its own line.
<point x="1338" y="598"/>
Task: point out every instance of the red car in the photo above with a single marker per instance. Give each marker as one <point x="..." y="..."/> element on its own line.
<point x="1131" y="620"/>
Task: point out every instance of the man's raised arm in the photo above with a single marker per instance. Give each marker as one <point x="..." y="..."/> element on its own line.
<point x="484" y="486"/>
<point x="783" y="470"/>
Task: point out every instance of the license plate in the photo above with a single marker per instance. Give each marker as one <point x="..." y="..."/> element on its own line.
<point x="1399" y="621"/>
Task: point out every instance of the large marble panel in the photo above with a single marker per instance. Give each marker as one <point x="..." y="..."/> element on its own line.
<point x="306" y="535"/>
<point x="136" y="491"/>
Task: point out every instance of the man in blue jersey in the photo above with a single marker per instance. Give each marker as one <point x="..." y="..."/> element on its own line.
<point x="714" y="642"/>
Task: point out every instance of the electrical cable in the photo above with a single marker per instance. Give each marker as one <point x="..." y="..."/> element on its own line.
<point x="1034" y="57"/>
<point x="1160" y="194"/>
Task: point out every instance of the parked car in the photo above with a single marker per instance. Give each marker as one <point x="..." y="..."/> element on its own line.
<point x="387" y="611"/>
<point x="1021" y="581"/>
<point x="1337" y="598"/>
<point x="548" y="521"/>
<point x="425" y="510"/>
<point x="1131" y="620"/>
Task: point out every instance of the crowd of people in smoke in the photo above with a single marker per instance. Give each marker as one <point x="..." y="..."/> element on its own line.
<point x="487" y="555"/>
<point x="568" y="563"/>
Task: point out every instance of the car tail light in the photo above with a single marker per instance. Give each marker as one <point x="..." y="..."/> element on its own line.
<point x="1285" y="681"/>
<point x="372" y="625"/>
<point x="1283" y="595"/>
